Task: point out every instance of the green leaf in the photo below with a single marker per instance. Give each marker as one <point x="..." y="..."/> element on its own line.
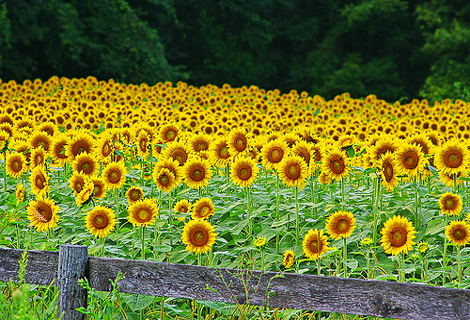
<point x="137" y="302"/>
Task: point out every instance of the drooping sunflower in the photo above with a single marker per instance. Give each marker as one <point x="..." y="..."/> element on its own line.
<point x="244" y="171"/>
<point x="86" y="163"/>
<point x="220" y="153"/>
<point x="143" y="213"/>
<point x="198" y="236"/>
<point x="197" y="173"/>
<point x="78" y="143"/>
<point x="237" y="142"/>
<point x="304" y="150"/>
<point x="100" y="221"/>
<point x="409" y="160"/>
<point x="85" y="194"/>
<point x="452" y="157"/>
<point x="293" y="171"/>
<point x="183" y="206"/>
<point x="273" y="152"/>
<point x="448" y="179"/>
<point x="42" y="213"/>
<point x="99" y="188"/>
<point x="340" y="224"/>
<point x="336" y="164"/>
<point x="16" y="164"/>
<point x="397" y="235"/>
<point x="451" y="204"/>
<point x="105" y="148"/>
<point x="169" y="132"/>
<point x="114" y="175"/>
<point x="38" y="157"/>
<point x="315" y="244"/>
<point x="39" y="181"/>
<point x="59" y="142"/>
<point x="202" y="209"/>
<point x="165" y="180"/>
<point x="388" y="172"/>
<point x="20" y="193"/>
<point x="134" y="194"/>
<point x="178" y="151"/>
<point x="40" y="139"/>
<point x="77" y="182"/>
<point x="288" y="259"/>
<point x="458" y="232"/>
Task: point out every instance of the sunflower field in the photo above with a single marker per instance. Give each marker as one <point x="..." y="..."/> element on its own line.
<point x="231" y="177"/>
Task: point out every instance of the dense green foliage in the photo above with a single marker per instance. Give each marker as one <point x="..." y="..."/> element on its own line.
<point x="394" y="49"/>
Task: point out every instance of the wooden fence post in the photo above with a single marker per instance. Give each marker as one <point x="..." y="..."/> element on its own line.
<point x="73" y="265"/>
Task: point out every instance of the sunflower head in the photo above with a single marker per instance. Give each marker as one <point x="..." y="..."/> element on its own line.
<point x="315" y="244"/>
<point x="458" y="232"/>
<point x="86" y="163"/>
<point x="288" y="259"/>
<point x="452" y="157"/>
<point x="336" y="164"/>
<point x="388" y="171"/>
<point x="244" y="172"/>
<point x="198" y="236"/>
<point x="143" y="212"/>
<point x="20" y="193"/>
<point x="293" y="171"/>
<point x="397" y="235"/>
<point x="260" y="242"/>
<point x="183" y="206"/>
<point x="238" y="142"/>
<point x="114" y="175"/>
<point x="100" y="221"/>
<point x="422" y="247"/>
<point x="169" y="132"/>
<point x="409" y="160"/>
<point x="134" y="194"/>
<point x="273" y="152"/>
<point x="340" y="224"/>
<point x="85" y="194"/>
<point x="165" y="180"/>
<point x="197" y="172"/>
<point x="39" y="181"/>
<point x="451" y="204"/>
<point x="202" y="209"/>
<point x="42" y="214"/>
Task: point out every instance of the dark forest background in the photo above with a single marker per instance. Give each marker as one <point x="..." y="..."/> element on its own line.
<point x="398" y="50"/>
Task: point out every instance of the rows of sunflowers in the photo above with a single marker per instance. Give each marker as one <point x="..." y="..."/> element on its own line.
<point x="238" y="177"/>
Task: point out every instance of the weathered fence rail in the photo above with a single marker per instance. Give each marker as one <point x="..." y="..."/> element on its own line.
<point x="276" y="290"/>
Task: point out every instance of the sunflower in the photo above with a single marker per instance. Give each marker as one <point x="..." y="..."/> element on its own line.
<point x="293" y="171"/>
<point x="315" y="244"/>
<point x="260" y="241"/>
<point x="16" y="164"/>
<point x="304" y="150"/>
<point x="143" y="144"/>
<point x="340" y="224"/>
<point x="114" y="175"/>
<point x="4" y="136"/>
<point x="273" y="152"/>
<point x="203" y="209"/>
<point x="452" y="157"/>
<point x="40" y="139"/>
<point x="197" y="173"/>
<point x="219" y="152"/>
<point x="409" y="160"/>
<point x="77" y="182"/>
<point x="244" y="172"/>
<point x="39" y="181"/>
<point x="48" y="127"/>
<point x="177" y="151"/>
<point x="169" y="132"/>
<point x="143" y="213"/>
<point x="100" y="221"/>
<point x="451" y="204"/>
<point x="42" y="214"/>
<point x="165" y="180"/>
<point x="388" y="172"/>
<point x="422" y="141"/>
<point x="99" y="188"/>
<point x="38" y="157"/>
<point x="200" y="142"/>
<point x="183" y="206"/>
<point x="288" y="259"/>
<point x="324" y="179"/>
<point x="385" y="144"/>
<point x="458" y="232"/>
<point x="448" y="179"/>
<point x="20" y="193"/>
<point x="198" y="236"/>
<point x="237" y="142"/>
<point x="422" y="247"/>
<point x="85" y="194"/>
<point x="59" y="142"/>
<point x="134" y="194"/>
<point x="397" y="235"/>
<point x="79" y="143"/>
<point x="105" y="148"/>
<point x="86" y="163"/>
<point x="170" y="164"/>
<point x="336" y="164"/>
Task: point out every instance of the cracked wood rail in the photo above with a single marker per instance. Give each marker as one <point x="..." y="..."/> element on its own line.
<point x="276" y="290"/>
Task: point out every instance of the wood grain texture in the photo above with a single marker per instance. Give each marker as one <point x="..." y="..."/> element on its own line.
<point x="73" y="265"/>
<point x="350" y="296"/>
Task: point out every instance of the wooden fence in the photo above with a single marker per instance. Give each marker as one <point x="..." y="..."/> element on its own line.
<point x="276" y="290"/>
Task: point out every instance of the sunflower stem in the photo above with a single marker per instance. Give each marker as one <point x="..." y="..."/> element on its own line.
<point x="416" y="203"/>
<point x="459" y="274"/>
<point x="248" y="204"/>
<point x="277" y="212"/>
<point x="143" y="243"/>
<point x="345" y="257"/>
<point x="444" y="261"/>
<point x="297" y="226"/>
<point x="376" y="208"/>
<point x="5" y="170"/>
<point x="312" y="195"/>
<point x="102" y="240"/>
<point x="401" y="273"/>
<point x="342" y="194"/>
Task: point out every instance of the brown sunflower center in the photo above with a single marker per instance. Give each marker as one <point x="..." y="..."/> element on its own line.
<point x="450" y="203"/>
<point x="97" y="190"/>
<point x="275" y="155"/>
<point x="342" y="226"/>
<point x="60" y="151"/>
<point x="293" y="171"/>
<point x="135" y="195"/>
<point x="143" y="215"/>
<point x="398" y="237"/>
<point x="114" y="176"/>
<point x="38" y="159"/>
<point x="244" y="173"/>
<point x="315" y="246"/>
<point x="384" y="149"/>
<point x="453" y="159"/>
<point x="183" y="209"/>
<point x="43" y="214"/>
<point x="100" y="221"/>
<point x="143" y="145"/>
<point x="106" y="150"/>
<point x="201" y="146"/>
<point x="16" y="166"/>
<point x="78" y="186"/>
<point x="199" y="237"/>
<point x="170" y="135"/>
<point x="240" y="144"/>
<point x="197" y="173"/>
<point x="387" y="170"/>
<point x="410" y="159"/>
<point x="40" y="182"/>
<point x="86" y="167"/>
<point x="180" y="156"/>
<point x="458" y="234"/>
<point x="203" y="211"/>
<point x="164" y="179"/>
<point x="79" y="147"/>
<point x="337" y="165"/>
<point x="305" y="155"/>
